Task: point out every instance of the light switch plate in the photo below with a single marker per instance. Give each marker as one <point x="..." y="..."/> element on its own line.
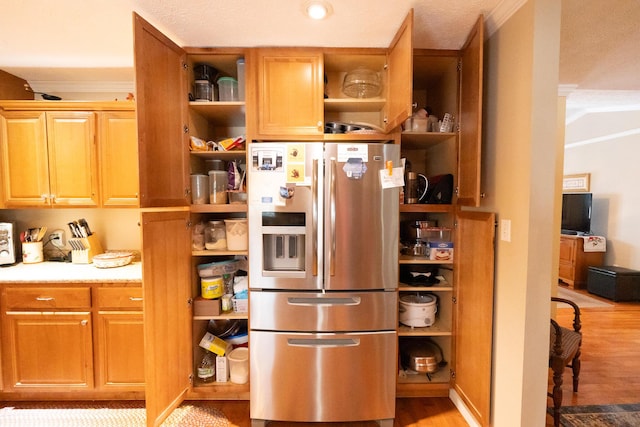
<point x="505" y="230"/>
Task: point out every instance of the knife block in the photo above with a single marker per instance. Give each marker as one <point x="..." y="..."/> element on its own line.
<point x="84" y="249"/>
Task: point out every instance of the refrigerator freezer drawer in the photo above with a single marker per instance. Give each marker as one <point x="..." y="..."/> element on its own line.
<point x="323" y="377"/>
<point x="324" y="312"/>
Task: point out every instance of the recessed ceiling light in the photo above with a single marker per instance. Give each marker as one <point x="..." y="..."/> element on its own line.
<point x="317" y="9"/>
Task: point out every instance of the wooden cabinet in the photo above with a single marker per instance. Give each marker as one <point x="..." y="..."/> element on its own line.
<point x="574" y="261"/>
<point x="80" y="340"/>
<point x="298" y="90"/>
<point x="49" y="159"/>
<point x="47" y="340"/>
<point x="118" y="158"/>
<point x="68" y="154"/>
<point x="119" y="338"/>
<point x="451" y="82"/>
<point x="290" y="89"/>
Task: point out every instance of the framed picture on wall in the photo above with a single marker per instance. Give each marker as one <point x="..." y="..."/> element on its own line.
<point x="576" y="183"/>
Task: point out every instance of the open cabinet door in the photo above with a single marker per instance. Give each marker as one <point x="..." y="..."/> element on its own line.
<point x="470" y="114"/>
<point x="473" y="339"/>
<point x="162" y="113"/>
<point x="167" y="327"/>
<point x="399" y="93"/>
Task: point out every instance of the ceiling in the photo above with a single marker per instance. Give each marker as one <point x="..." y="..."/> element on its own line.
<point x="65" y="44"/>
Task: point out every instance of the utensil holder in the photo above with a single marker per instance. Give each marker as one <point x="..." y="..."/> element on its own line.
<point x="84" y="249"/>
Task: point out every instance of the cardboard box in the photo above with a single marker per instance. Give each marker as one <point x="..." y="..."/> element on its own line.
<point x="206" y="307"/>
<point x="440" y="251"/>
<point x="240" y="305"/>
<point x="214" y="344"/>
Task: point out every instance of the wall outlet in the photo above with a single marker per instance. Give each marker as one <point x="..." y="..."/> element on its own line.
<point x="57" y="238"/>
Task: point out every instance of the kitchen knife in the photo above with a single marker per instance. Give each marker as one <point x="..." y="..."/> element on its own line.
<point x="83" y="223"/>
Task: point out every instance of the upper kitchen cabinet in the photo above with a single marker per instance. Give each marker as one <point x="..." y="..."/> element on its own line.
<point x="300" y="90"/>
<point x="118" y="151"/>
<point x="163" y="130"/>
<point x="450" y="81"/>
<point x="48" y="158"/>
<point x="289" y="92"/>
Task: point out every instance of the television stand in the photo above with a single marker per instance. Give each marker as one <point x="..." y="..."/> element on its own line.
<point x="574" y="261"/>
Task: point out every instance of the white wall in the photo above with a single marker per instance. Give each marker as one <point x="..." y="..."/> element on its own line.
<point x="520" y="179"/>
<point x="606" y="144"/>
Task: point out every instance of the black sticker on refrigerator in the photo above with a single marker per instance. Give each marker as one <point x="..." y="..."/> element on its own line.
<point x="354" y="168"/>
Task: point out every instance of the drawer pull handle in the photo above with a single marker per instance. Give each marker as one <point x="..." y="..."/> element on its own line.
<point x="45" y="298"/>
<point x="135" y="299"/>
<point x="84" y="322"/>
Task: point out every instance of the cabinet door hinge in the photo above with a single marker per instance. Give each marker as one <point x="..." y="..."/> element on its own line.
<point x="185" y="129"/>
<point x="191" y="379"/>
<point x="190" y="302"/>
<point x="452" y="374"/>
<point x="454" y="300"/>
<point x="459" y="65"/>
<point x="185" y="66"/>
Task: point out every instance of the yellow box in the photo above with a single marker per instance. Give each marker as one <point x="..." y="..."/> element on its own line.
<point x="214" y="344"/>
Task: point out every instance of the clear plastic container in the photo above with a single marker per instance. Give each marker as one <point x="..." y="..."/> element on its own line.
<point x="240" y="65"/>
<point x="215" y="236"/>
<point x="227" y="89"/>
<point x="203" y="90"/>
<point x="199" y="189"/>
<point x="237" y="234"/>
<point x="218" y="181"/>
<point x="239" y="365"/>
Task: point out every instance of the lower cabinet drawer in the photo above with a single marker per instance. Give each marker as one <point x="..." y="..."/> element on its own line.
<point x="119" y="297"/>
<point x="47" y="298"/>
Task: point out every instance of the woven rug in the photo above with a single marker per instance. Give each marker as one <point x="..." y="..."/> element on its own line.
<point x="583" y="301"/>
<point x="105" y="414"/>
<point x="600" y="416"/>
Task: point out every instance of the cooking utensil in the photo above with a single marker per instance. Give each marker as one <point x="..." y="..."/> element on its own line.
<point x="41" y="233"/>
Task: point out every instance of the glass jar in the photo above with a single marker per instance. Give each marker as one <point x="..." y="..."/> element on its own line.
<point x="215" y="236"/>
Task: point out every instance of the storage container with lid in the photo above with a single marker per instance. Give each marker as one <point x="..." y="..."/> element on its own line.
<point x="237" y="234"/>
<point x="418" y="310"/>
<point x="215" y="236"/>
<point x="227" y="89"/>
<point x="218" y="181"/>
<point x="203" y="90"/>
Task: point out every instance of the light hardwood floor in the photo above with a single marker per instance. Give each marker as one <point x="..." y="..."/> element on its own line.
<point x="610" y="372"/>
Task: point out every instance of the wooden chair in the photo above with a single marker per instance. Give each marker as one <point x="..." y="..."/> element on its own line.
<point x="564" y="351"/>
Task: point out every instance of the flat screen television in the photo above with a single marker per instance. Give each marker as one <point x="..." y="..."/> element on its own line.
<point x="576" y="213"/>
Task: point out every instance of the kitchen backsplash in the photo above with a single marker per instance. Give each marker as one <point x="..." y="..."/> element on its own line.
<point x="117" y="229"/>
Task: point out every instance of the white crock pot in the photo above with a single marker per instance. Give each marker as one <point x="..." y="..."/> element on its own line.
<point x="418" y="310"/>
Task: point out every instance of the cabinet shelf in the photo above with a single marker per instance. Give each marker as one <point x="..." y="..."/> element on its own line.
<point x="405" y="259"/>
<point x="407" y="288"/>
<point x="223" y="155"/>
<point x="341" y="105"/>
<point x="421" y="140"/>
<point x="224" y="316"/>
<point x="221" y="113"/>
<point x="218" y="253"/>
<point x="226" y="208"/>
<point x="426" y="208"/>
<point x="436" y="330"/>
<point x="439" y="377"/>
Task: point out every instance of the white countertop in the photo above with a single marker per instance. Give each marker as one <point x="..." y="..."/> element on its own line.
<point x="57" y="272"/>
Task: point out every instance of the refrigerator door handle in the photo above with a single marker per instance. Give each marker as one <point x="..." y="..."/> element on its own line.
<point x="323" y="342"/>
<point x="323" y="301"/>
<point x="332" y="217"/>
<point x="314" y="215"/>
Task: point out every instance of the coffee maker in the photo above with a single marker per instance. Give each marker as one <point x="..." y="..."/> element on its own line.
<point x="8" y="244"/>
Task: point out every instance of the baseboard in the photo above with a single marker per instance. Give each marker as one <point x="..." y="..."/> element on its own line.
<point x="462" y="408"/>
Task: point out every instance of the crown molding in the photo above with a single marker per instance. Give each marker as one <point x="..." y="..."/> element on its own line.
<point x="501" y="14"/>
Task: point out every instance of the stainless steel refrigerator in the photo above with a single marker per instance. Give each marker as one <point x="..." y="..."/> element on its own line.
<point x="323" y="221"/>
